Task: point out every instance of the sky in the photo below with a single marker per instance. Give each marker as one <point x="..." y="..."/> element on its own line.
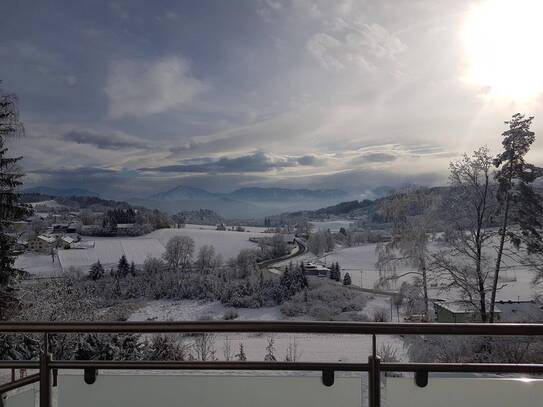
<point x="129" y="98"/>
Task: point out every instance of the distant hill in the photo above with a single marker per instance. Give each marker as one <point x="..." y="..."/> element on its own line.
<point x="60" y="191"/>
<point x="242" y="203"/>
<point x="77" y="202"/>
<point x="281" y="194"/>
<point x="183" y="193"/>
<point x="200" y="217"/>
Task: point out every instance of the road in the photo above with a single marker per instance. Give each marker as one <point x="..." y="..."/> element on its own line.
<point x="302" y="249"/>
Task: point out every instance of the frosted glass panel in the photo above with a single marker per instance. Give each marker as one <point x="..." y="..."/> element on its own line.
<point x="24" y="398"/>
<point x="455" y="392"/>
<point x="207" y="391"/>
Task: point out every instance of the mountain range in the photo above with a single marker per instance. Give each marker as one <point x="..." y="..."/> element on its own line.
<point x="243" y="202"/>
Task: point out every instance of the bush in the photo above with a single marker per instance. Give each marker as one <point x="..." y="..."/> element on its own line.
<point x="380" y="315"/>
<point x="324" y="301"/>
<point x="229" y="314"/>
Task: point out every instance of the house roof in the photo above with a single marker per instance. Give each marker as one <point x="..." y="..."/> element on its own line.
<point x="459" y="307"/>
<point x="521" y="311"/>
<point x="48" y="239"/>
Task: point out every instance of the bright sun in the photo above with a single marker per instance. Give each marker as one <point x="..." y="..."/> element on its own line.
<point x="504" y="44"/>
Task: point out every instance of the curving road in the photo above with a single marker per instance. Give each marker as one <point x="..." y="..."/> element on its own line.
<point x="302" y="249"/>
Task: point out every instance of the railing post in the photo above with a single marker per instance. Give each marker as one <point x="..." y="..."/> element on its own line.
<point x="45" y="375"/>
<point x="374" y="376"/>
<point x="374" y="381"/>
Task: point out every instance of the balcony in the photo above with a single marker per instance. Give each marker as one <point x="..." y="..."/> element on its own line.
<point x="216" y="383"/>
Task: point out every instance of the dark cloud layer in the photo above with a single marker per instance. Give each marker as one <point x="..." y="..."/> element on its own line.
<point x="256" y="162"/>
<point x="110" y="141"/>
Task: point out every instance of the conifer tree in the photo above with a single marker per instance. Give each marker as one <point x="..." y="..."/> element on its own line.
<point x="519" y="203"/>
<point x="133" y="269"/>
<point x="347" y="279"/>
<point x="123" y="267"/>
<point x="96" y="271"/>
<point x="11" y="207"/>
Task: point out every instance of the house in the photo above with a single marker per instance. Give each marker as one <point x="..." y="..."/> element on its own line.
<point x="459" y="312"/>
<point x="42" y="243"/>
<point x="520" y="311"/>
<point x="314" y="269"/>
<point x="66" y="241"/>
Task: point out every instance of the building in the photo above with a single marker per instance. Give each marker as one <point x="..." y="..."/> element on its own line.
<point x="459" y="312"/>
<point x="314" y="269"/>
<point x="520" y="311"/>
<point x="42" y="243"/>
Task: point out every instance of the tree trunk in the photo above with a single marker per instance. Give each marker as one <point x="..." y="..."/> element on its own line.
<point x="425" y="291"/>
<point x="503" y="232"/>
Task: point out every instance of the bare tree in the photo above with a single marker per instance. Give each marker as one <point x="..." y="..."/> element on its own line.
<point x="411" y="213"/>
<point x="205" y="261"/>
<point x="292" y="353"/>
<point x="178" y="254"/>
<point x="463" y="265"/>
<point x="204" y="346"/>
<point x="227" y="349"/>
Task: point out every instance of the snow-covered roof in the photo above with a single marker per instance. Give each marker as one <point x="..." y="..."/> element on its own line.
<point x="520" y="311"/>
<point x="68" y="239"/>
<point x="48" y="239"/>
<point x="459" y="307"/>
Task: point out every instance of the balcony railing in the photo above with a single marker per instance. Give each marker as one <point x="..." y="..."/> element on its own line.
<point x="374" y="367"/>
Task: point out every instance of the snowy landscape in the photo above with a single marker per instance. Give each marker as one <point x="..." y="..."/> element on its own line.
<point x="170" y="171"/>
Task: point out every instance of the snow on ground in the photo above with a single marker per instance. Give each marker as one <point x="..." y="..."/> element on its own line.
<point x="212" y="227"/>
<point x="359" y="262"/>
<point x="332" y="225"/>
<point x="109" y="250"/>
<point x="326" y="348"/>
<point x="37" y="264"/>
<point x="49" y="204"/>
<point x="226" y="243"/>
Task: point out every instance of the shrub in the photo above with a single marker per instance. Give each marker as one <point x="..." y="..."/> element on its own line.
<point x="229" y="314"/>
<point x="380" y="315"/>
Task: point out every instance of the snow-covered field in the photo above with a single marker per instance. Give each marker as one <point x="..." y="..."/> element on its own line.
<point x="109" y="249"/>
<point x="38" y="264"/>
<point x="360" y="261"/>
<point x="49" y="204"/>
<point x="326" y="348"/>
<point x="226" y="243"/>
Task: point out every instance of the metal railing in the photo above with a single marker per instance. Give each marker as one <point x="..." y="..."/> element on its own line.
<point x="374" y="367"/>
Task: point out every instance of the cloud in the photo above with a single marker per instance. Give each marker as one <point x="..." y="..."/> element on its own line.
<point x="137" y="88"/>
<point x="354" y="43"/>
<point x="110" y="141"/>
<point x="322" y="47"/>
<point x="376" y="158"/>
<point x="256" y="162"/>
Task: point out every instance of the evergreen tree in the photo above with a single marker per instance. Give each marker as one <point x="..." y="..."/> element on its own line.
<point x="519" y="203"/>
<point x="123" y="268"/>
<point x="11" y="207"/>
<point x="96" y="271"/>
<point x="133" y="269"/>
<point x="347" y="279"/>
<point x="338" y="272"/>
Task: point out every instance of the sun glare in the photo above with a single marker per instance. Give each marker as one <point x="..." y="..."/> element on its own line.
<point x="503" y="39"/>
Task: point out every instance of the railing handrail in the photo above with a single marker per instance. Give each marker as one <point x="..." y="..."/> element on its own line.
<point x="359" y="328"/>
